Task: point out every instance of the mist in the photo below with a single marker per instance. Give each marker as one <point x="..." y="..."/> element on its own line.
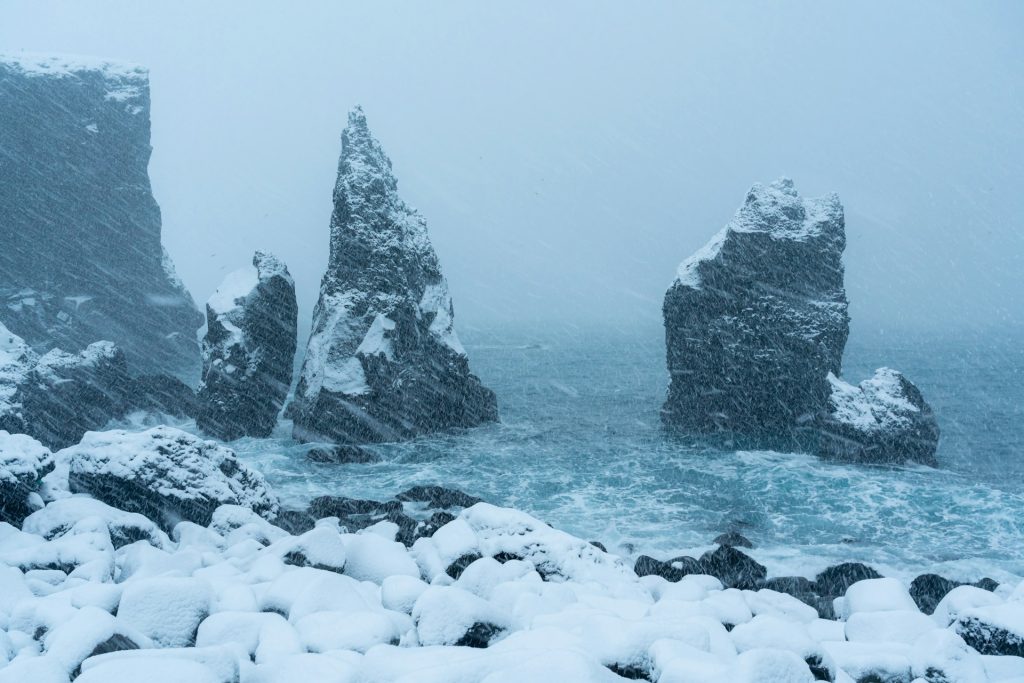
<point x="567" y="156"/>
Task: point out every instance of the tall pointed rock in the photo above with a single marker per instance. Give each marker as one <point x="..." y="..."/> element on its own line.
<point x="80" y="255"/>
<point x="383" y="362"/>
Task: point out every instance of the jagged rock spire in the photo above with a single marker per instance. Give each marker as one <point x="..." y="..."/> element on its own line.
<point x="383" y="361"/>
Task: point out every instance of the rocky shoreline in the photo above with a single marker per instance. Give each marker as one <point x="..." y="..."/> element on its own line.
<point x="157" y="554"/>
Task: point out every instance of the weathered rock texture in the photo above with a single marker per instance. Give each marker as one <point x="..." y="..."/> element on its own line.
<point x="248" y="351"/>
<point x="756" y="323"/>
<point x="383" y="361"/>
<point x="59" y="396"/>
<point x="82" y="259"/>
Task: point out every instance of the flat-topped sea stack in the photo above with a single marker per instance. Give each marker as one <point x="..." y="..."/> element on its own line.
<point x="82" y="259"/>
<point x="383" y="362"/>
<point x="248" y="350"/>
<point x="755" y="327"/>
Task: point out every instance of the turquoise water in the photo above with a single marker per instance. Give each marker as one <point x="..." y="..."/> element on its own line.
<point x="580" y="447"/>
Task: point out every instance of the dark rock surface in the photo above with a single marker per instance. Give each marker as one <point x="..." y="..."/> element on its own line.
<point x="834" y="581"/>
<point x="383" y="361"/>
<point x="733" y="568"/>
<point x="82" y="258"/>
<point x="248" y="351"/>
<point x="342" y="455"/>
<point x="928" y="590"/>
<point x="755" y="327"/>
<point x="23" y="463"/>
<point x="439" y="497"/>
<point x="165" y="474"/>
<point x="734" y="539"/>
<point x="997" y="630"/>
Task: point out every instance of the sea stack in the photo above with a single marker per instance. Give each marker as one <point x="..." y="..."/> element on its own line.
<point x="755" y="327"/>
<point x="383" y="362"/>
<point x="82" y="259"/>
<point x="248" y="351"/>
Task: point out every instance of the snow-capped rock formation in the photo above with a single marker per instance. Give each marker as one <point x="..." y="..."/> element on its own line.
<point x="23" y="464"/>
<point x="82" y="259"/>
<point x="164" y="473"/>
<point x="383" y="362"/>
<point x="755" y="327"/>
<point x="884" y="419"/>
<point x="58" y="397"/>
<point x="756" y="320"/>
<point x="248" y="351"/>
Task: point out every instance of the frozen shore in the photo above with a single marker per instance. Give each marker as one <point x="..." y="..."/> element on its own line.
<point x="474" y="593"/>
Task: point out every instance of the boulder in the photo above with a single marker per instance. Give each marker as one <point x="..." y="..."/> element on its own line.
<point x="165" y="474"/>
<point x="755" y="327"/>
<point x="993" y="629"/>
<point x="834" y="581"/>
<point x="883" y="420"/>
<point x="82" y="258"/>
<point x="439" y="497"/>
<point x="733" y="568"/>
<point x="383" y="361"/>
<point x="248" y="351"/>
<point x="928" y="590"/>
<point x="23" y="463"/>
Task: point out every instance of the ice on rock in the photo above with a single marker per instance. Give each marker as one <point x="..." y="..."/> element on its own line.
<point x="248" y="351"/>
<point x="166" y="474"/>
<point x="82" y="259"/>
<point x="383" y="362"/>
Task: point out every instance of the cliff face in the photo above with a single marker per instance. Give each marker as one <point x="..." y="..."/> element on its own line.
<point x="383" y="362"/>
<point x="82" y="259"/>
<point x="755" y="327"/>
<point x="248" y="350"/>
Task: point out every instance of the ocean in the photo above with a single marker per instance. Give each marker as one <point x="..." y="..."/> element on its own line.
<point x="580" y="447"/>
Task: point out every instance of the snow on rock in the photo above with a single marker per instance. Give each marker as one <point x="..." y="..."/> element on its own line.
<point x="23" y="464"/>
<point x="755" y="325"/>
<point x="493" y="596"/>
<point x="167" y="610"/>
<point x="884" y="419"/>
<point x="166" y="474"/>
<point x="383" y="362"/>
<point x="82" y="259"/>
<point x="248" y="351"/>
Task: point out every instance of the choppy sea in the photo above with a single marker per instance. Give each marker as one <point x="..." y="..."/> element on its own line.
<point x="579" y="445"/>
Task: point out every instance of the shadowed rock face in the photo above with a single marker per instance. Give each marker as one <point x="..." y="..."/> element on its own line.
<point x="248" y="351"/>
<point x="81" y="258"/>
<point x="755" y="327"/>
<point x="383" y="362"/>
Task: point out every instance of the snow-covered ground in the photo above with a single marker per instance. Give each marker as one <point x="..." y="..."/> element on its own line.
<point x="101" y="595"/>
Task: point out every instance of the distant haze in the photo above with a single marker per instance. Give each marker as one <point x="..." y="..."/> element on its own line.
<point x="568" y="155"/>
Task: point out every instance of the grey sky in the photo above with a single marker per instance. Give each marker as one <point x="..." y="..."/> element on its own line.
<point x="568" y="155"/>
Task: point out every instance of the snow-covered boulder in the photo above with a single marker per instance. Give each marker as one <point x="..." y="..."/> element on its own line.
<point x="248" y="350"/>
<point x="82" y="259"/>
<point x="993" y="629"/>
<point x="166" y="474"/>
<point x="60" y="516"/>
<point x="166" y="609"/>
<point x="755" y="326"/>
<point x="23" y="463"/>
<point x="884" y="419"/>
<point x="383" y="361"/>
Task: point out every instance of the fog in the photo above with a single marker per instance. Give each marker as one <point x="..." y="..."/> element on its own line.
<point x="567" y="156"/>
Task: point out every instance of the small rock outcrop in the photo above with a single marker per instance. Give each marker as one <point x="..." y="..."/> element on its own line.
<point x="248" y="351"/>
<point x="82" y="258"/>
<point x="58" y="397"/>
<point x="165" y="474"/>
<point x="755" y="327"/>
<point x="23" y="463"/>
<point x="383" y="362"/>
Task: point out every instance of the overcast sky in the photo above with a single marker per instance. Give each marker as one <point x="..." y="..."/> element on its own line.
<point x="568" y="155"/>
